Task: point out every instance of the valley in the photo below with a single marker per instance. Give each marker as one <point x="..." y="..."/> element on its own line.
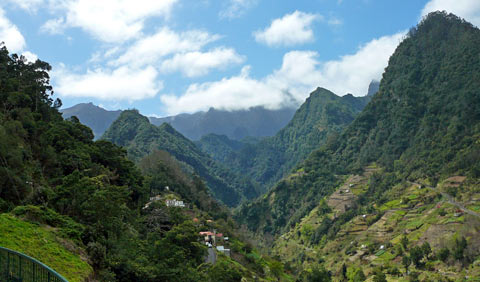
<point x="382" y="187"/>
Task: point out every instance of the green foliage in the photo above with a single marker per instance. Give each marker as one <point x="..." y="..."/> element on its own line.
<point x="90" y="197"/>
<point x="416" y="255"/>
<point x="44" y="245"/>
<point x="225" y="270"/>
<point x="355" y="274"/>
<point x="404" y="242"/>
<point x="460" y="246"/>
<point x="318" y="274"/>
<point x="443" y="254"/>
<point x="423" y="123"/>
<point x="320" y="118"/>
<point x="134" y="132"/>
<point x="406" y="261"/>
<point x="426" y="249"/>
<point x="379" y="276"/>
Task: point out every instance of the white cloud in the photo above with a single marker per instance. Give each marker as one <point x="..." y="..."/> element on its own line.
<point x="353" y="73"/>
<point x="334" y="21"/>
<point x="123" y="83"/>
<point x="54" y="26"/>
<point x="301" y="72"/>
<point x="236" y="8"/>
<point x="107" y="20"/>
<point x="292" y="29"/>
<point x="234" y="93"/>
<point x="467" y="9"/>
<point x="10" y="35"/>
<point x="197" y="63"/>
<point x="28" y="5"/>
<point x="31" y="57"/>
<point x="150" y="49"/>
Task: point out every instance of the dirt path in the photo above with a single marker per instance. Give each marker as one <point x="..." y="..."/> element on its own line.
<point x="450" y="199"/>
<point x="212" y="257"/>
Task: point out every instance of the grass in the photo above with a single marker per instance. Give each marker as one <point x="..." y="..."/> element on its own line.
<point x="42" y="244"/>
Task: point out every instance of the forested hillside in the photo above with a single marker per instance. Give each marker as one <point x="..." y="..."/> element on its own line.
<point x="422" y="129"/>
<point x="84" y="208"/>
<point x="320" y="118"/>
<point x="134" y="132"/>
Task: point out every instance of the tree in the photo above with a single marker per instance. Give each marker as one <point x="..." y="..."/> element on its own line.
<point x="406" y="261"/>
<point x="359" y="276"/>
<point x="443" y="254"/>
<point x="427" y="250"/>
<point x="416" y="254"/>
<point x="319" y="274"/>
<point x="460" y="246"/>
<point x="379" y="276"/>
<point x="404" y="242"/>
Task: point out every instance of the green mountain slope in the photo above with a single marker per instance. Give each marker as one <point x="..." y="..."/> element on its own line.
<point x="134" y="132"/>
<point x="84" y="209"/>
<point x="219" y="147"/>
<point x="422" y="126"/>
<point x="322" y="116"/>
<point x="45" y="245"/>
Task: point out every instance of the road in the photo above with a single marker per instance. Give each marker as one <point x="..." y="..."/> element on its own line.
<point x="450" y="199"/>
<point x="212" y="257"/>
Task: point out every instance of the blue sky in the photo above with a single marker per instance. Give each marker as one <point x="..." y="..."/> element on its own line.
<point x="170" y="56"/>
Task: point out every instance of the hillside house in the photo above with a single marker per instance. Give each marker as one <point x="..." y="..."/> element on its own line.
<point x="174" y="203"/>
<point x="211" y="237"/>
<point x="224" y="251"/>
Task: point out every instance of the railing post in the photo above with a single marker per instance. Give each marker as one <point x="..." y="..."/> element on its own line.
<point x="20" y="268"/>
<point x="8" y="266"/>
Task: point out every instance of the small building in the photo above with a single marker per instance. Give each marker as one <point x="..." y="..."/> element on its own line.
<point x="155" y="198"/>
<point x="224" y="251"/>
<point x="174" y="203"/>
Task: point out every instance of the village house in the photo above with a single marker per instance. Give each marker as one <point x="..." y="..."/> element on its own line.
<point x="224" y="251"/>
<point x="211" y="237"/>
<point x="174" y="203"/>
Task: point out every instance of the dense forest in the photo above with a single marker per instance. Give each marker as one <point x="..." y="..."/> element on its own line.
<point x="378" y="188"/>
<point x="92" y="205"/>
<point x="320" y="118"/>
<point x="134" y="132"/>
<point x="421" y="127"/>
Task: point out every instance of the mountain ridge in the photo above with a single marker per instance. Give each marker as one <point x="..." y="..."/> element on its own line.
<point x="134" y="132"/>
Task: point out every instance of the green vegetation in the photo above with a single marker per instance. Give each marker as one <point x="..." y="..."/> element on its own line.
<point x="322" y="117"/>
<point x="45" y="245"/>
<point x="140" y="138"/>
<point x="83" y="208"/>
<point x="422" y="126"/>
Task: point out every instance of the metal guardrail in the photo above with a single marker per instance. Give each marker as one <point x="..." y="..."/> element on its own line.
<point x="18" y="267"/>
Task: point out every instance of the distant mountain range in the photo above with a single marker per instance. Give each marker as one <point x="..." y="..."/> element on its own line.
<point x="95" y="117"/>
<point x="236" y="125"/>
<point x="255" y="122"/>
